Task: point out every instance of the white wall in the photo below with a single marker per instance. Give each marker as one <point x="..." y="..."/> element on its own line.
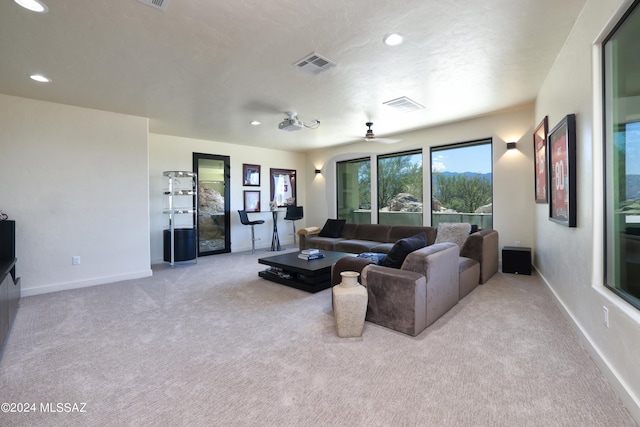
<point x="571" y="259"/>
<point x="513" y="199"/>
<point x="175" y="153"/>
<point x="75" y="181"/>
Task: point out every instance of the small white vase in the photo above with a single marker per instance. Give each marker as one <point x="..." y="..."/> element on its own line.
<point x="349" y="305"/>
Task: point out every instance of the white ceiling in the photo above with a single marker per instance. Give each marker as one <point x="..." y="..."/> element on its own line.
<point x="206" y="68"/>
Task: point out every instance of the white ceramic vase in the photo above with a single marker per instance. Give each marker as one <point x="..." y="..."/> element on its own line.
<point x="349" y="305"/>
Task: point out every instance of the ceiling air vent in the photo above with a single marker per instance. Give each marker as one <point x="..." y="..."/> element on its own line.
<point x="158" y="4"/>
<point x="314" y="64"/>
<point x="404" y="104"/>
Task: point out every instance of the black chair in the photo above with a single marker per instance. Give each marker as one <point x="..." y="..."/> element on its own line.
<point x="294" y="213"/>
<point x="244" y="219"/>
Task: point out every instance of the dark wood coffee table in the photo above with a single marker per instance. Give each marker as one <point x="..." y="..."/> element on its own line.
<point x="311" y="276"/>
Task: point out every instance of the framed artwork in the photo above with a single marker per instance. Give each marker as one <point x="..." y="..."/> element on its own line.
<point x="283" y="187"/>
<point x="251" y="201"/>
<point x="562" y="172"/>
<point x="251" y="175"/>
<point x="540" y="160"/>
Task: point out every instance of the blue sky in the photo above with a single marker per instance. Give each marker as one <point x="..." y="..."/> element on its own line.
<point x="476" y="159"/>
<point x="633" y="149"/>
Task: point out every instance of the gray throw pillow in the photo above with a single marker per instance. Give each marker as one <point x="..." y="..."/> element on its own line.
<point x="454" y="232"/>
<point x="402" y="248"/>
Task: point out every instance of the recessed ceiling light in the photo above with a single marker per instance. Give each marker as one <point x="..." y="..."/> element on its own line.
<point x="393" y="39"/>
<point x="40" y="78"/>
<point x="255" y="123"/>
<point x="33" y="5"/>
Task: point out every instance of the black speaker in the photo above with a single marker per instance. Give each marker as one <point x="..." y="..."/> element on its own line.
<point x="184" y="244"/>
<point x="7" y="239"/>
<point x="516" y="260"/>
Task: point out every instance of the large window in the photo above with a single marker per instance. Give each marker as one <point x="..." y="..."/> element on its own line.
<point x="461" y="184"/>
<point x="354" y="191"/>
<point x="400" y="188"/>
<point x="622" y="157"/>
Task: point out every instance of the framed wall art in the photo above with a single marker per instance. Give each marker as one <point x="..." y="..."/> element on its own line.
<point x="250" y="175"/>
<point x="562" y="172"/>
<point x="540" y="160"/>
<point x="251" y="201"/>
<point x="283" y="187"/>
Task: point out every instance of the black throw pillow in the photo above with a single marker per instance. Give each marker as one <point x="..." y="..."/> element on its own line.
<point x="402" y="248"/>
<point x="332" y="228"/>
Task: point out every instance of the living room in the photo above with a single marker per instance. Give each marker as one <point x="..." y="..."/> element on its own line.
<point x="103" y="200"/>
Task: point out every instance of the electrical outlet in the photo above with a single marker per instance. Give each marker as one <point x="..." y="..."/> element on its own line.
<point x="605" y="316"/>
<point x="75" y="260"/>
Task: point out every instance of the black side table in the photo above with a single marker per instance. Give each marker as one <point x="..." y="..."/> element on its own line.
<point x="516" y="260"/>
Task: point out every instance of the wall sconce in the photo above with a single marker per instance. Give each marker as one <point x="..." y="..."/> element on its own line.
<point x="511" y="145"/>
<point x="318" y="171"/>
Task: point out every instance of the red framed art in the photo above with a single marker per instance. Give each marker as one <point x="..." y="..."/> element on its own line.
<point x="540" y="161"/>
<point x="562" y="172"/>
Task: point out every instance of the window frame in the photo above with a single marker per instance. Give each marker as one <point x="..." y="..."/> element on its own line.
<point x="470" y="143"/>
<point x="391" y="155"/>
<point x="607" y="163"/>
<point x="337" y="182"/>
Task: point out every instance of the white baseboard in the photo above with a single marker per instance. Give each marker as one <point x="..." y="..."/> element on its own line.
<point x="629" y="399"/>
<point x="84" y="283"/>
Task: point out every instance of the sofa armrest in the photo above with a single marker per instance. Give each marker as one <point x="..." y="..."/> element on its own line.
<point x="303" y="233"/>
<point x="397" y="298"/>
<point x="439" y="263"/>
<point x="482" y="246"/>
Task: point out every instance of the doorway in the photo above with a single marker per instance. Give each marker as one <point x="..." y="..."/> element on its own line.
<point x="213" y="203"/>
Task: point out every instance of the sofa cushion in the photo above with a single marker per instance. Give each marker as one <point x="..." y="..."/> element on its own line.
<point x="354" y="246"/>
<point x="383" y="248"/>
<point x="349" y="231"/>
<point x="322" y="243"/>
<point x="454" y="232"/>
<point x="332" y="228"/>
<point x="402" y="248"/>
<point x="374" y="232"/>
<point x="398" y="232"/>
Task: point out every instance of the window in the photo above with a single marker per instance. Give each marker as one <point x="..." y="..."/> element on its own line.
<point x="400" y="188"/>
<point x="354" y="191"/>
<point x="622" y="157"/>
<point x="462" y="184"/>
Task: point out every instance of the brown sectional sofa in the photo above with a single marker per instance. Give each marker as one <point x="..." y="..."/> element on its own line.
<point x="481" y="246"/>
<point x="359" y="238"/>
<point x="430" y="281"/>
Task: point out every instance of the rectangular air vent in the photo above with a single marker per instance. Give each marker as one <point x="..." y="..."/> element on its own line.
<point x="158" y="4"/>
<point x="404" y="104"/>
<point x="314" y="64"/>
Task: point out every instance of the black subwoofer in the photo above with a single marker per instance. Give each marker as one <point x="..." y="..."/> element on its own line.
<point x="516" y="260"/>
<point x="184" y="244"/>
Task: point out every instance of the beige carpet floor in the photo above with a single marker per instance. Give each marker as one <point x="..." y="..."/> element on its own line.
<point x="212" y="344"/>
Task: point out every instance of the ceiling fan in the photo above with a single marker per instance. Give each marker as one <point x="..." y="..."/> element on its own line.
<point x="369" y="136"/>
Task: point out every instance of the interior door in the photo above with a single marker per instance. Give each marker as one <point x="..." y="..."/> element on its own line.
<point x="213" y="203"/>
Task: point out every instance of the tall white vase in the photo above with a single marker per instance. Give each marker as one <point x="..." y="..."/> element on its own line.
<point x="349" y="305"/>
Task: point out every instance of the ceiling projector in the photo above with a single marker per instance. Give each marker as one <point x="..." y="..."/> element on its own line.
<point x="291" y="124"/>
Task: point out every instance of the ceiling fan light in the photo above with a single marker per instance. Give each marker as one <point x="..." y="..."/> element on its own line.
<point x="33" y="5"/>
